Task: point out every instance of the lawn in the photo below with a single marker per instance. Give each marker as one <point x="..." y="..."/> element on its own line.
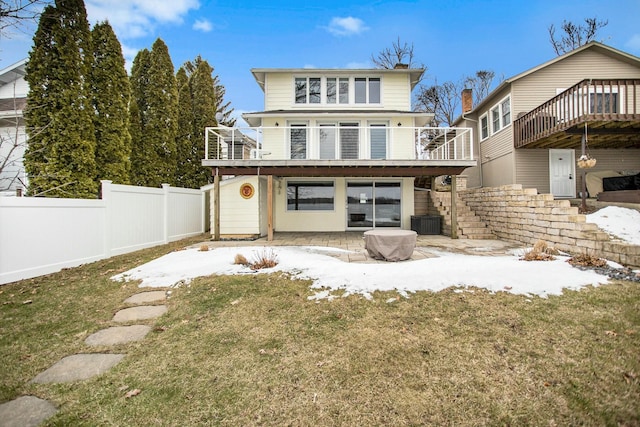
<point x="253" y="350"/>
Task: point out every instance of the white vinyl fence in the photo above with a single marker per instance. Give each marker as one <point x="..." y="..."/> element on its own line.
<point x="41" y="235"/>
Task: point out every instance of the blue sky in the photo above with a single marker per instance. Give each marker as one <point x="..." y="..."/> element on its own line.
<point x="452" y="38"/>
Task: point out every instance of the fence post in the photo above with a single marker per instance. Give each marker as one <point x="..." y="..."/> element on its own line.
<point x="105" y="195"/>
<point x="203" y="206"/>
<point x="165" y="215"/>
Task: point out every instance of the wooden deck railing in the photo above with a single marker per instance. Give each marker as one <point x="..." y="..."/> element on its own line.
<point x="589" y="100"/>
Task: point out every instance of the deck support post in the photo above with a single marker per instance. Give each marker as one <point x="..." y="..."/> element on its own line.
<point x="583" y="174"/>
<point x="269" y="208"/>
<point x="454" y="207"/>
<point x="216" y="206"/>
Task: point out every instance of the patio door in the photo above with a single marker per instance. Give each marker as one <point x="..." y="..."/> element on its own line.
<point x="373" y="204"/>
<point x="562" y="173"/>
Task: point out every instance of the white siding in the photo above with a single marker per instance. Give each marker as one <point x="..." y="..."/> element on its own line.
<point x="15" y="89"/>
<point x="278" y="91"/>
<point x="239" y="216"/>
<point x="395" y="90"/>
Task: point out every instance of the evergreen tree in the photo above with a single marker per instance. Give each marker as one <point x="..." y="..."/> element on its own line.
<point x="160" y="120"/>
<point x="205" y="107"/>
<point x="142" y="158"/>
<point x="41" y="77"/>
<point x="184" y="140"/>
<point x="61" y="160"/>
<point x="205" y="95"/>
<point x="111" y="93"/>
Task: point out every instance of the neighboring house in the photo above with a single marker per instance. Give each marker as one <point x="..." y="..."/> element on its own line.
<point x="529" y="130"/>
<point x="13" y="97"/>
<point x="335" y="150"/>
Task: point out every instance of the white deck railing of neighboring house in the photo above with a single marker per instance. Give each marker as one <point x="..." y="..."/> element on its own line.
<point x="338" y="142"/>
<point x="43" y="235"/>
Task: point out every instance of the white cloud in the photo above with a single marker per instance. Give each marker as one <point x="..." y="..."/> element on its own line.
<point x="202" y="25"/>
<point x="346" y="26"/>
<point x="634" y="42"/>
<point x="137" y="18"/>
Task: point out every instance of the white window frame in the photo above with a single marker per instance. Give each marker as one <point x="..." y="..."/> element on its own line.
<point x="291" y="126"/>
<point x="350" y="94"/>
<point x="488" y="133"/>
<point x="496" y="123"/>
<point x="378" y="124"/>
<point x="334" y="127"/>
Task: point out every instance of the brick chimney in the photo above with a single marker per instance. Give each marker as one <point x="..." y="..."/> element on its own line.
<point x="467" y="100"/>
<point x="400" y="66"/>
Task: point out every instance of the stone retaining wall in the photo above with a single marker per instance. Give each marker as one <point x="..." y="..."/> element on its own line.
<point x="522" y="215"/>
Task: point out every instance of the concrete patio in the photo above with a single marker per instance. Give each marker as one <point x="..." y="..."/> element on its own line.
<point x="353" y="242"/>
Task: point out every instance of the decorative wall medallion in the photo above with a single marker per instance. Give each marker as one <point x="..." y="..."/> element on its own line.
<point x="246" y="190"/>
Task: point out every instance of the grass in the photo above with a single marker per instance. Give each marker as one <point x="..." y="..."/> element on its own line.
<point x="252" y="350"/>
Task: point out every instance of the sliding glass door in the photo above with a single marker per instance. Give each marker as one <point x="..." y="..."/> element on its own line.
<point x="373" y="204"/>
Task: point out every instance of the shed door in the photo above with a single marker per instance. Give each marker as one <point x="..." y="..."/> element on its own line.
<point x="562" y="173"/>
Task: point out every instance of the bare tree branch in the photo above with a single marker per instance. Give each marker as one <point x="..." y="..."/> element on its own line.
<point x="441" y="100"/>
<point x="574" y="35"/>
<point x="480" y="84"/>
<point x="16" y="13"/>
<point x="398" y="53"/>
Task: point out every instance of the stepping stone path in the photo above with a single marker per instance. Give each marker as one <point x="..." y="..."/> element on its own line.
<point x="27" y="411"/>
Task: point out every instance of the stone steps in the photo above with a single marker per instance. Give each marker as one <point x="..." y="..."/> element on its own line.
<point x="470" y="226"/>
<point x="31" y="410"/>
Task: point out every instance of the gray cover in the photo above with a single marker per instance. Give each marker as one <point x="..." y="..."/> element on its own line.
<point x="390" y="245"/>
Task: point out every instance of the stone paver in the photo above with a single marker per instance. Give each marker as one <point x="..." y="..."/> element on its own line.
<point x="78" y="367"/>
<point x="142" y="312"/>
<point x="146" y="297"/>
<point x="25" y="411"/>
<point x="118" y="335"/>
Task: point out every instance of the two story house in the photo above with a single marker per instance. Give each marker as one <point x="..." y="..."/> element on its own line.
<point x="333" y="150"/>
<point x="13" y="97"/>
<point x="532" y="128"/>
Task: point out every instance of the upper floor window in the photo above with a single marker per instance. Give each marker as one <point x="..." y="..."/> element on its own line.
<point x="505" y="107"/>
<point x="500" y="116"/>
<point x="484" y="127"/>
<point x="307" y="90"/>
<point x="367" y="90"/>
<point x="603" y="103"/>
<point x="337" y="90"/>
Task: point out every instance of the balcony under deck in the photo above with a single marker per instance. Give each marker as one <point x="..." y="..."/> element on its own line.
<point x="608" y="109"/>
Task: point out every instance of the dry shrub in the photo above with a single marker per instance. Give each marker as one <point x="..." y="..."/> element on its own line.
<point x="240" y="260"/>
<point x="203" y="248"/>
<point x="540" y="252"/>
<point x="265" y="258"/>
<point x="585" y="260"/>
